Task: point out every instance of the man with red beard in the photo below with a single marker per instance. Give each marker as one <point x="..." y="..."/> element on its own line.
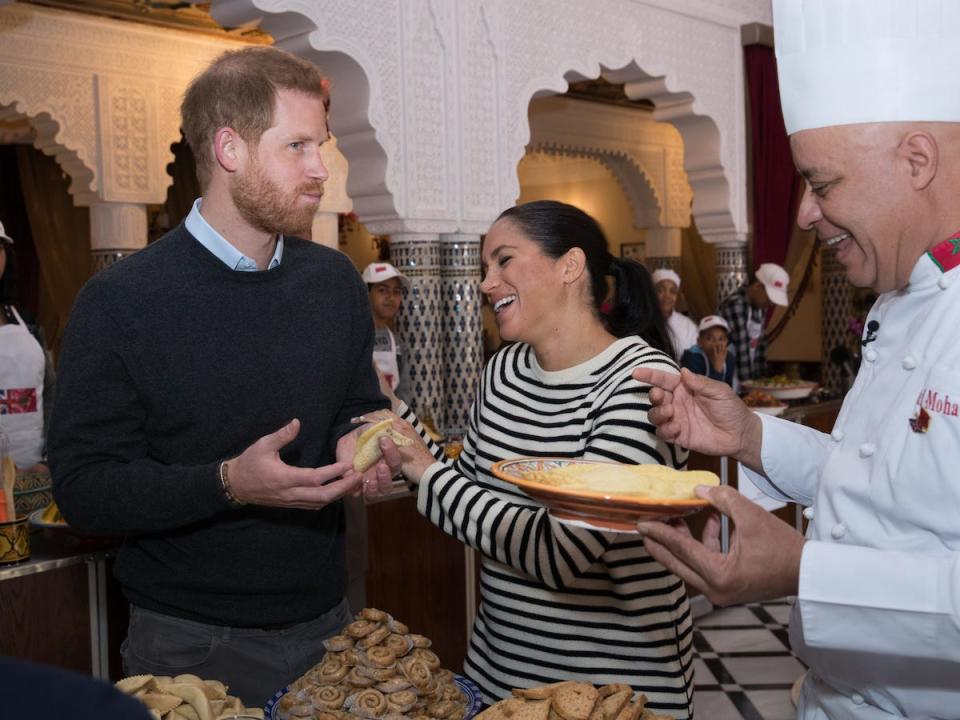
<point x="207" y="388"/>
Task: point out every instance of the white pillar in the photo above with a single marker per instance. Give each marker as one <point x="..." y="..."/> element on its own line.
<point x="116" y="231"/>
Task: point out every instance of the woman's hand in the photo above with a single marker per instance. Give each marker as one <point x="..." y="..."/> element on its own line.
<point x="416" y="457"/>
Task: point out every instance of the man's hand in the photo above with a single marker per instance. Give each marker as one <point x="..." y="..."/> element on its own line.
<point x="763" y="562"/>
<point x="259" y="477"/>
<point x="705" y="415"/>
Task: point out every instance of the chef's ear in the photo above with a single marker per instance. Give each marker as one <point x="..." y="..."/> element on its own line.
<point x="919" y="150"/>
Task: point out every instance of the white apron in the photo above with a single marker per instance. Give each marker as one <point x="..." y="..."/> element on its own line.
<point x="385" y="358"/>
<point x="22" y="364"/>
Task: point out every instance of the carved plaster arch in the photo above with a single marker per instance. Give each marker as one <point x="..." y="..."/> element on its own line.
<point x="55" y="135"/>
<point x="630" y="176"/>
<point x="702" y="164"/>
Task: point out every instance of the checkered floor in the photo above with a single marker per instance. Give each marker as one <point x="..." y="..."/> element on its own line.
<point x="744" y="667"/>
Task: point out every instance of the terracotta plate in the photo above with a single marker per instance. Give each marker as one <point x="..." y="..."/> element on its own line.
<point x="592" y="510"/>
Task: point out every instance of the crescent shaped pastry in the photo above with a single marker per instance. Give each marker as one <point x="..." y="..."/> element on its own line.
<point x="368" y="444"/>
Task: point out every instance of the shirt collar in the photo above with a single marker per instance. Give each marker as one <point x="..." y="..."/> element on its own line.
<point x="221" y="247"/>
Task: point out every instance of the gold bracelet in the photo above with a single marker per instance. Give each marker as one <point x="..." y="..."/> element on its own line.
<point x="225" y="485"/>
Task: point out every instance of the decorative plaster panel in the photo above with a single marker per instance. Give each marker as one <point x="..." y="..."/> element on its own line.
<point x="90" y="84"/>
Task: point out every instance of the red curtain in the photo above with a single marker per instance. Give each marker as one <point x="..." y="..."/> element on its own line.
<point x="776" y="183"/>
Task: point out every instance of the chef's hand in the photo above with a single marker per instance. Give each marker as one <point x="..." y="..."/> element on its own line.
<point x="763" y="562"/>
<point x="378" y="479"/>
<point x="259" y="477"/>
<point x="705" y="415"/>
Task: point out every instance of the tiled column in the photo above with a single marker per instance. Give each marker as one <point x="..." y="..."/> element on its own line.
<point x="417" y="255"/>
<point x="116" y="230"/>
<point x="731" y="261"/>
<point x="462" y="327"/>
<point x="663" y="248"/>
<point x="835" y="312"/>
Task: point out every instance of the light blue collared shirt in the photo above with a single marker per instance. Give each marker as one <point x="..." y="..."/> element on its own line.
<point x="221" y="247"/>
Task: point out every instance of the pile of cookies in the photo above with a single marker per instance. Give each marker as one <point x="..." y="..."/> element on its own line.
<point x="375" y="669"/>
<point x="572" y="700"/>
<point x="185" y="697"/>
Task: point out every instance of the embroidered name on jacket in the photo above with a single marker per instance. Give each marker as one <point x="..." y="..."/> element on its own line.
<point x="933" y="401"/>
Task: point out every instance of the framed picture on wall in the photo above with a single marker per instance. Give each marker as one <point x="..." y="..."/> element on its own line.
<point x="632" y="251"/>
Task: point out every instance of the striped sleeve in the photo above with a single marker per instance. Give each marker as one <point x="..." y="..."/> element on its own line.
<point x="524" y="537"/>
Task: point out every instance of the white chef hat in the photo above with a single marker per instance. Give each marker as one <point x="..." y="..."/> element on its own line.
<point x="842" y="62"/>
<point x="661" y="274"/>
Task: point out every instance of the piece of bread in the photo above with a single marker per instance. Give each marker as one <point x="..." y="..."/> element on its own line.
<point x="368" y="444"/>
<point x="652" y="481"/>
<point x="575" y="701"/>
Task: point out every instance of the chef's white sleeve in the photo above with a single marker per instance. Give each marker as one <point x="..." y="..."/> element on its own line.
<point x="909" y="601"/>
<point x="792" y="455"/>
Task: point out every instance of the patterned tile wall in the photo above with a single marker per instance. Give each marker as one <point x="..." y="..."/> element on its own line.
<point x="731" y="268"/>
<point x="417" y="255"/>
<point x="105" y="258"/>
<point x="836" y="309"/>
<point x="462" y="327"/>
<point x="671" y="262"/>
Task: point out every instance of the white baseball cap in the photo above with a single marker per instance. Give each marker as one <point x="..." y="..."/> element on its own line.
<point x="712" y="321"/>
<point x="661" y="274"/>
<point x="842" y="62"/>
<point x="378" y="272"/>
<point x="775" y="281"/>
<point x="4" y="236"/>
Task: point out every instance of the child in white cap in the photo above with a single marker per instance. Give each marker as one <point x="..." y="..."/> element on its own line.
<point x="712" y="355"/>
<point x="385" y="284"/>
<point x="683" y="331"/>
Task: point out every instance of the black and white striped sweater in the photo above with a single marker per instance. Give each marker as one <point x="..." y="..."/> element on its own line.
<point x="560" y="602"/>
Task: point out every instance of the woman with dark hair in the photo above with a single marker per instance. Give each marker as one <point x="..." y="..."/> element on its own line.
<point x="561" y="602"/>
<point x="26" y="374"/>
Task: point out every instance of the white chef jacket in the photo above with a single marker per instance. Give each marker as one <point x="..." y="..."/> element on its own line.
<point x="683" y="332"/>
<point x="877" y="617"/>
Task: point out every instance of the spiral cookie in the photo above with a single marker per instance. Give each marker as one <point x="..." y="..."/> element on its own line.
<point x="396" y="626"/>
<point x="330" y="697"/>
<point x="373" y="615"/>
<point x="419" y="641"/>
<point x="381" y="657"/>
<point x="402" y="701"/>
<point x="394" y="684"/>
<point x="400" y="644"/>
<point x="358" y="680"/>
<point x="374" y="638"/>
<point x="369" y="703"/>
<point x="428" y="656"/>
<point x="332" y="671"/>
<point x="338" y="643"/>
<point x="417" y="672"/>
<point x="360" y="628"/>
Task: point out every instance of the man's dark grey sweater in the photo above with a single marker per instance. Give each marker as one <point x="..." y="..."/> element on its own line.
<point x="172" y="362"/>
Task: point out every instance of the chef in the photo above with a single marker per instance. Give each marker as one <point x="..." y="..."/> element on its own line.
<point x="870" y="103"/>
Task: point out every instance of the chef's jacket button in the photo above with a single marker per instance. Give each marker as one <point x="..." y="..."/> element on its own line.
<point x="909" y="362"/>
<point x="870" y="355"/>
<point x="808" y="513"/>
<point x="867" y="449"/>
<point x="837" y="435"/>
<point x="943" y="282"/>
<point x="838" y="531"/>
<point x="857" y="699"/>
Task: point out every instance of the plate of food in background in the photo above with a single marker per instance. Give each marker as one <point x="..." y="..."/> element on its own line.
<point x="781" y="387"/>
<point x="762" y="402"/>
<point x="602" y="495"/>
